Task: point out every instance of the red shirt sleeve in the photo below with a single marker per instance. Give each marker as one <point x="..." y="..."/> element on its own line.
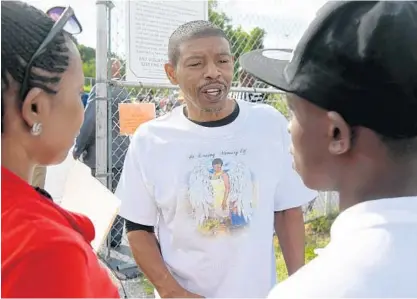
<point x="59" y="270"/>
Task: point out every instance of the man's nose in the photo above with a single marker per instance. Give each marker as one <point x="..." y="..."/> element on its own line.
<point x="212" y="71"/>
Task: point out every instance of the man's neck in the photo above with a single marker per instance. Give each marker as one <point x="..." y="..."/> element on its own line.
<point x="199" y="115"/>
<point x="395" y="181"/>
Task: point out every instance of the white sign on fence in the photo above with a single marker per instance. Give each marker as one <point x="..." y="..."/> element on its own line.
<point x="149" y="26"/>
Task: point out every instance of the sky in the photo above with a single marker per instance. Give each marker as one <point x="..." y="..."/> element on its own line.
<point x="284" y="20"/>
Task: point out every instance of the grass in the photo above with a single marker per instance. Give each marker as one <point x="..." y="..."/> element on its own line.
<point x="317" y="242"/>
<point x="317" y="236"/>
<point x="147" y="287"/>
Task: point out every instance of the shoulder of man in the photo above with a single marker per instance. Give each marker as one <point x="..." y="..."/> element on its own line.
<point x="146" y="138"/>
<point x="157" y="128"/>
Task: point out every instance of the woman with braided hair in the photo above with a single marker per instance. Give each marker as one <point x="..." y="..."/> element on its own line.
<point x="46" y="250"/>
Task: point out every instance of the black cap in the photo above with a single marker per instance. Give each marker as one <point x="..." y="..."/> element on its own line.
<point x="358" y="58"/>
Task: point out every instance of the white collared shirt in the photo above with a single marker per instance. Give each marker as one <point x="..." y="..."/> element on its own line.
<point x="372" y="253"/>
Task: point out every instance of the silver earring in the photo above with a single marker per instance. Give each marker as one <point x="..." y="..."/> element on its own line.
<point x="36" y="129"/>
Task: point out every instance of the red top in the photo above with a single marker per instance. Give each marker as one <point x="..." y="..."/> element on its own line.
<point x="42" y="253"/>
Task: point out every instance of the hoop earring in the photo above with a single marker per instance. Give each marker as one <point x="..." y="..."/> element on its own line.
<point x="36" y="129"/>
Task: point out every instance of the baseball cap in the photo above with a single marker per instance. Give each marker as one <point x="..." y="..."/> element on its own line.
<point x="358" y="58"/>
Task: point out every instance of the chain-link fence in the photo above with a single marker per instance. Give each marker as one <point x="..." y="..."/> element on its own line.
<point x="246" y="31"/>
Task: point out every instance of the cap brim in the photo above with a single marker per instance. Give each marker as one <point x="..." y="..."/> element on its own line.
<point x="268" y="65"/>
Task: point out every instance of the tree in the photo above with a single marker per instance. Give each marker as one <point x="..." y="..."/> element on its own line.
<point x="87" y="53"/>
<point x="88" y="56"/>
<point x="240" y="40"/>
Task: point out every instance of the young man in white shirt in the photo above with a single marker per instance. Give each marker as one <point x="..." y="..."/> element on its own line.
<point x="352" y="90"/>
<point x="211" y="174"/>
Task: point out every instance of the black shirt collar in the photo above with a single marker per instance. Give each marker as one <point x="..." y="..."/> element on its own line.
<point x="218" y="123"/>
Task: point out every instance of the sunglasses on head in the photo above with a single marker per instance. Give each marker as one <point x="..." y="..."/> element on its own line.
<point x="66" y="20"/>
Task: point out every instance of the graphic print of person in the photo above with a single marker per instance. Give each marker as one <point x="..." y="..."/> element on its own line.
<point x="220" y="182"/>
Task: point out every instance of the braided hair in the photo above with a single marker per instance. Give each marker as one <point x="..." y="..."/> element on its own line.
<point x="23" y="29"/>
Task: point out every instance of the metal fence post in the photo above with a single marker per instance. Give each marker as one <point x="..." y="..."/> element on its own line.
<point x="110" y="6"/>
<point x="101" y="93"/>
<point x="103" y="135"/>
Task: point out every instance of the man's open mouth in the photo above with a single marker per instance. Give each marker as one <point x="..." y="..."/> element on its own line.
<point x="213" y="91"/>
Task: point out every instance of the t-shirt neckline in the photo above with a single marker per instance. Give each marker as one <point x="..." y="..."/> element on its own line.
<point x="223" y="131"/>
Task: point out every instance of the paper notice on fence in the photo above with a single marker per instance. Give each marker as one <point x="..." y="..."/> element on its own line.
<point x="86" y="195"/>
<point x="132" y="115"/>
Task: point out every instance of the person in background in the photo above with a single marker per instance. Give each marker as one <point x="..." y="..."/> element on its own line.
<point x="84" y="98"/>
<point x="212" y="181"/>
<point x="45" y="250"/>
<point x="352" y="92"/>
<point x="180" y="99"/>
<point x="85" y="144"/>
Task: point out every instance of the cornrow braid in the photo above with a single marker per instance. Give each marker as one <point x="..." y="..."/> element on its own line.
<point x="188" y="31"/>
<point x="23" y="29"/>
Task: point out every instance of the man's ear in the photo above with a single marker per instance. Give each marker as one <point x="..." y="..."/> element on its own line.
<point x="170" y="71"/>
<point x="339" y="134"/>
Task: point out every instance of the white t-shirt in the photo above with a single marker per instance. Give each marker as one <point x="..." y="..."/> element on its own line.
<point x="372" y="254"/>
<point x="215" y="190"/>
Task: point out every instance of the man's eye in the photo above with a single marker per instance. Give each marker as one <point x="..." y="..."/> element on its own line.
<point x="195" y="64"/>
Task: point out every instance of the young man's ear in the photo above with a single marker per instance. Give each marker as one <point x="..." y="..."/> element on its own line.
<point x="170" y="71"/>
<point x="339" y="134"/>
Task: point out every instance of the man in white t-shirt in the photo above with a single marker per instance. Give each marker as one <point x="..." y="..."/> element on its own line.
<point x="353" y="97"/>
<point x="210" y="175"/>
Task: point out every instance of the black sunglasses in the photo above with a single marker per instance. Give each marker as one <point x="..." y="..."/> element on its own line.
<point x="65" y="19"/>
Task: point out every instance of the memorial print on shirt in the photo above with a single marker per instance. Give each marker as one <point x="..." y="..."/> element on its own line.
<point x="222" y="192"/>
